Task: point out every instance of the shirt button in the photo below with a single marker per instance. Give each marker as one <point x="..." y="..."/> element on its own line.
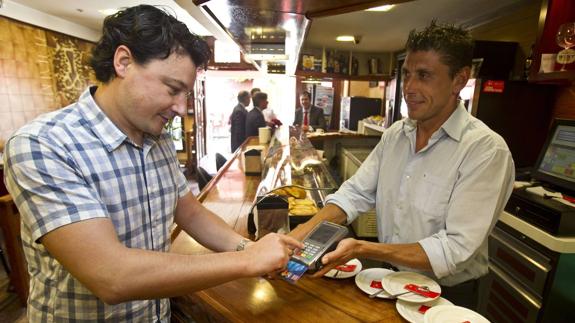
<point x="407" y="176"/>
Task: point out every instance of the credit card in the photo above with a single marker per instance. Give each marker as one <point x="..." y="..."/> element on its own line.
<point x="294" y="271"/>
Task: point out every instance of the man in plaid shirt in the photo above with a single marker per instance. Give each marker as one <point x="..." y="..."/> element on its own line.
<point x="98" y="187"/>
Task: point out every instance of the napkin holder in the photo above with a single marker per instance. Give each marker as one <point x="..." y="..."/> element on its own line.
<point x="270" y="214"/>
<point x="253" y="162"/>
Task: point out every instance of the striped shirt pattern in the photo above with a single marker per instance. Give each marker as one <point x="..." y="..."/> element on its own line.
<point x="72" y="165"/>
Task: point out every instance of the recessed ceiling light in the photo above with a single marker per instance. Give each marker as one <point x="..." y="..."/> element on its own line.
<point x="387" y="7"/>
<point x="345" y="38"/>
<point x="108" y="12"/>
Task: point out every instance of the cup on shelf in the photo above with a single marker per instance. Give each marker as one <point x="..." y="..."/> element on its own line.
<point x="547" y="63"/>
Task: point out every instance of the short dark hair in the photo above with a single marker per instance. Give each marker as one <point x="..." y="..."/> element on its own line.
<point x="454" y="44"/>
<point x="149" y="33"/>
<point x="306" y="93"/>
<point x="255" y="90"/>
<point x="259" y="97"/>
<point x="243" y="95"/>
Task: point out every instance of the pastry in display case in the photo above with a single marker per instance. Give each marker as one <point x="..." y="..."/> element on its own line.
<point x="295" y="182"/>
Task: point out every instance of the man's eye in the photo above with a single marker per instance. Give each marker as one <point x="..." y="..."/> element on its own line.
<point x="173" y="91"/>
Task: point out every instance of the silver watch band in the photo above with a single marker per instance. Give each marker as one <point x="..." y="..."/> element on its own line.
<point x="242" y="245"/>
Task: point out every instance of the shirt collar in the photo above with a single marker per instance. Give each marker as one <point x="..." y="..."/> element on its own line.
<point x="108" y="133"/>
<point x="453" y="126"/>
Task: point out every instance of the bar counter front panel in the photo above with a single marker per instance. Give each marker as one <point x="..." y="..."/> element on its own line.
<point x="230" y="195"/>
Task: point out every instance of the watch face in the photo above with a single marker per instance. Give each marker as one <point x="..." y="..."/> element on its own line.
<point x="242" y="245"/>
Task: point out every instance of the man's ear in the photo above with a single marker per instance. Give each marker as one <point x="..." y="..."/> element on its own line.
<point x="122" y="60"/>
<point x="460" y="79"/>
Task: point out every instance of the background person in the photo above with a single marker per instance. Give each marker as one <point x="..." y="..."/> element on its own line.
<point x="238" y="120"/>
<point x="438" y="179"/>
<point x="255" y="118"/>
<point x="98" y="187"/>
<point x="308" y="115"/>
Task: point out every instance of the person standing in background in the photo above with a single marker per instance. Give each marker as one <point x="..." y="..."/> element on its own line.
<point x="307" y="116"/>
<point x="99" y="189"/>
<point x="255" y="118"/>
<point x="238" y="120"/>
<point x="253" y="92"/>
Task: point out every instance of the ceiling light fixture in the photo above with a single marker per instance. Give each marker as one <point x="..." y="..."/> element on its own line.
<point x="345" y="38"/>
<point x="387" y="7"/>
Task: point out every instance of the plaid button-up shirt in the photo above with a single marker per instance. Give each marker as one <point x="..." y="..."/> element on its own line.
<point x="72" y="165"/>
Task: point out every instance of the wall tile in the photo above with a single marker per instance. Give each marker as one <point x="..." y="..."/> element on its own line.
<point x="4" y="103"/>
<point x="3" y="87"/>
<point x="12" y="85"/>
<point x="17" y="34"/>
<point x="4" y="31"/>
<point x="5" y="121"/>
<point x="7" y="50"/>
<point x="10" y="68"/>
<point x="27" y="86"/>
<point x="15" y="102"/>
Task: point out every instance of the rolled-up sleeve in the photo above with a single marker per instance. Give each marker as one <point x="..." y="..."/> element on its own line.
<point x="358" y="193"/>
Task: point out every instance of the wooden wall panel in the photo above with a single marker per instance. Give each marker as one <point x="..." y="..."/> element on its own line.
<point x="40" y="71"/>
<point x="565" y="103"/>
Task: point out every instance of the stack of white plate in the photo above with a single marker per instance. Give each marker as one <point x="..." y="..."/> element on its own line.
<point x="413" y="307"/>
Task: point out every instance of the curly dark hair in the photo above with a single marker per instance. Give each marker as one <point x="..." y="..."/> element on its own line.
<point x="149" y="33"/>
<point x="454" y="44"/>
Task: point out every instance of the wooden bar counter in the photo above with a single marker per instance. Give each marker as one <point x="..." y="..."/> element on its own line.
<point x="230" y="195"/>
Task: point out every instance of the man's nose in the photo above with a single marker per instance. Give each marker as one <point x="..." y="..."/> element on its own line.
<point x="180" y="105"/>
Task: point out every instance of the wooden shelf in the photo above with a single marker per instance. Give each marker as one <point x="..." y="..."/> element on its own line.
<point x="564" y="77"/>
<point x="330" y="76"/>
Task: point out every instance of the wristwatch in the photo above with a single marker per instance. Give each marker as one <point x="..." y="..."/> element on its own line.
<point x="242" y="245"/>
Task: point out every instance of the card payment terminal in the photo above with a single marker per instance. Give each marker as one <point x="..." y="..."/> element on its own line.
<point x="321" y="240"/>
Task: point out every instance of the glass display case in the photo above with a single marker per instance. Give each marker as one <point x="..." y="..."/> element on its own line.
<point x="292" y="174"/>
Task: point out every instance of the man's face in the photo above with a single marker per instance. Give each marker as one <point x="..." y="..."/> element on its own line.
<point x="428" y="90"/>
<point x="246" y="101"/>
<point x="154" y="93"/>
<point x="304" y="101"/>
<point x="263" y="104"/>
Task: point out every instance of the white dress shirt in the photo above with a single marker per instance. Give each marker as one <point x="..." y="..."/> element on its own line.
<point x="447" y="196"/>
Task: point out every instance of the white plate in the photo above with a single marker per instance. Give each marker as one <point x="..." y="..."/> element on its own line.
<point x="345" y="274"/>
<point x="394" y="284"/>
<point x="452" y="314"/>
<point x="365" y="277"/>
<point x="410" y="311"/>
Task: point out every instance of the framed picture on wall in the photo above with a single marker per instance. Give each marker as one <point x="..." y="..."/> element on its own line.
<point x="324" y="99"/>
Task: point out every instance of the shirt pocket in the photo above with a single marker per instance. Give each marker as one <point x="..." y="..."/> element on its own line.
<point x="432" y="195"/>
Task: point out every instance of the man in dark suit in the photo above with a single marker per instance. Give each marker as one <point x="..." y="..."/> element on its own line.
<point x="238" y="120"/>
<point x="308" y="115"/>
<point x="255" y="118"/>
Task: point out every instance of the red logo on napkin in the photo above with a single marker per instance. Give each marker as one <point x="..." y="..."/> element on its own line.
<point x="423" y="308"/>
<point x="376" y="284"/>
<point x="421" y="291"/>
<point x="346" y="268"/>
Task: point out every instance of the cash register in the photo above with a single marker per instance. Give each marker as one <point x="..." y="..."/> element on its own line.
<point x="549" y="203"/>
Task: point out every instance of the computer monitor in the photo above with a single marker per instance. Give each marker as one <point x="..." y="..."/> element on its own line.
<point x="555" y="166"/>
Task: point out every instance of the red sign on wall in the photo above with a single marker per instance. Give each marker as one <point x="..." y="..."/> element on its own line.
<point x="491" y="86"/>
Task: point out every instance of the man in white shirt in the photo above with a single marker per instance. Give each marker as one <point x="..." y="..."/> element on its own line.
<point x="438" y="179"/>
